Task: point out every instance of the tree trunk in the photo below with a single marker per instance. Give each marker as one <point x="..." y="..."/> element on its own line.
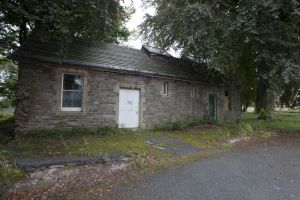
<point x="264" y="103"/>
<point x="23" y="31"/>
<point x="261" y="96"/>
<point x="244" y="108"/>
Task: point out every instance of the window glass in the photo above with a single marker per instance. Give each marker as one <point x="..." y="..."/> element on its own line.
<point x="72" y="99"/>
<point x="72" y="91"/>
<point x="73" y="82"/>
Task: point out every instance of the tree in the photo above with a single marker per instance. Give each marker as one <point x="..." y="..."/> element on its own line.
<point x="256" y="41"/>
<point x="65" y="20"/>
<point x="8" y="79"/>
<point x="290" y="97"/>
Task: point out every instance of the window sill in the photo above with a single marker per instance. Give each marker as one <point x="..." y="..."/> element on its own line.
<point x="71" y="109"/>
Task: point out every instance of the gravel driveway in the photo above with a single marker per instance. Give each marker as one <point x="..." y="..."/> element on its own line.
<point x="265" y="171"/>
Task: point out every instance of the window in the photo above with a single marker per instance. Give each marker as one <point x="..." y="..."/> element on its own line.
<point x="166" y="88"/>
<point x="194" y="91"/>
<point x="72" y="88"/>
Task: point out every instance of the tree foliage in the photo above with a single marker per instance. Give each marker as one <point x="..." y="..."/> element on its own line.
<point x="256" y="41"/>
<point x="8" y="79"/>
<point x="290" y="97"/>
<point x="66" y="20"/>
<point x="62" y="20"/>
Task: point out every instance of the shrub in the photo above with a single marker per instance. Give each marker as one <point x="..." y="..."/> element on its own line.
<point x="108" y="130"/>
<point x="42" y="133"/>
<point x="265" y="114"/>
<point x="74" y="131"/>
<point x="209" y="120"/>
<point x="8" y="174"/>
<point x="223" y="134"/>
<point x="193" y="121"/>
<point x="6" y="129"/>
<point x="180" y="124"/>
<point x="245" y="129"/>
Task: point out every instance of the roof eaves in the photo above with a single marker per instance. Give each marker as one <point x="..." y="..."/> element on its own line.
<point x="114" y="69"/>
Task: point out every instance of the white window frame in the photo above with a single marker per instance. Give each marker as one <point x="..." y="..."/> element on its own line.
<point x="165" y="88"/>
<point x="69" y="109"/>
<point x="194" y="91"/>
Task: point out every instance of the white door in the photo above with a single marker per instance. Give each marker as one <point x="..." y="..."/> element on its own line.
<point x="129" y="107"/>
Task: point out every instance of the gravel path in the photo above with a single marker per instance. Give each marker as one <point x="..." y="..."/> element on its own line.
<point x="176" y="147"/>
<point x="265" y="171"/>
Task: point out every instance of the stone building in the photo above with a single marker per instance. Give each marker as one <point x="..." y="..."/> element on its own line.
<point x="96" y="84"/>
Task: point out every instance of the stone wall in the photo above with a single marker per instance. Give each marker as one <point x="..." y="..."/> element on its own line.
<point x="39" y="98"/>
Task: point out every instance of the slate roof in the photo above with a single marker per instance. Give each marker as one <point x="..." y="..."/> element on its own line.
<point x="103" y="56"/>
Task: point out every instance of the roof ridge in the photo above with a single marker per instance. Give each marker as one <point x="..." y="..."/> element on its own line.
<point x="125" y="47"/>
<point x="99" y="54"/>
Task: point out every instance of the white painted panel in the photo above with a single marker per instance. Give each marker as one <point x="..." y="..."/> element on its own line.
<point x="129" y="107"/>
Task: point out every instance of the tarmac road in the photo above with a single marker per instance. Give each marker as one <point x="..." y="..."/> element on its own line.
<point x="264" y="171"/>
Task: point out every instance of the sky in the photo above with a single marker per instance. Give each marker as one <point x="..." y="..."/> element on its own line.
<point x="136" y="19"/>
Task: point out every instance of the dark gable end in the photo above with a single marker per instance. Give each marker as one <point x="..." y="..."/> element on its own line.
<point x="153" y="51"/>
<point x="148" y="61"/>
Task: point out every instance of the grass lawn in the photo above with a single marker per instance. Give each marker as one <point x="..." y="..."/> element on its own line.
<point x="283" y="121"/>
<point x="200" y="137"/>
<point x="7" y="112"/>
<point x="94" y="145"/>
<point x="90" y="145"/>
<point x="204" y="137"/>
<point x="207" y="137"/>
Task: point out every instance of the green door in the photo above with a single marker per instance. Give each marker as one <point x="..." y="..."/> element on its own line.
<point x="212" y="107"/>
